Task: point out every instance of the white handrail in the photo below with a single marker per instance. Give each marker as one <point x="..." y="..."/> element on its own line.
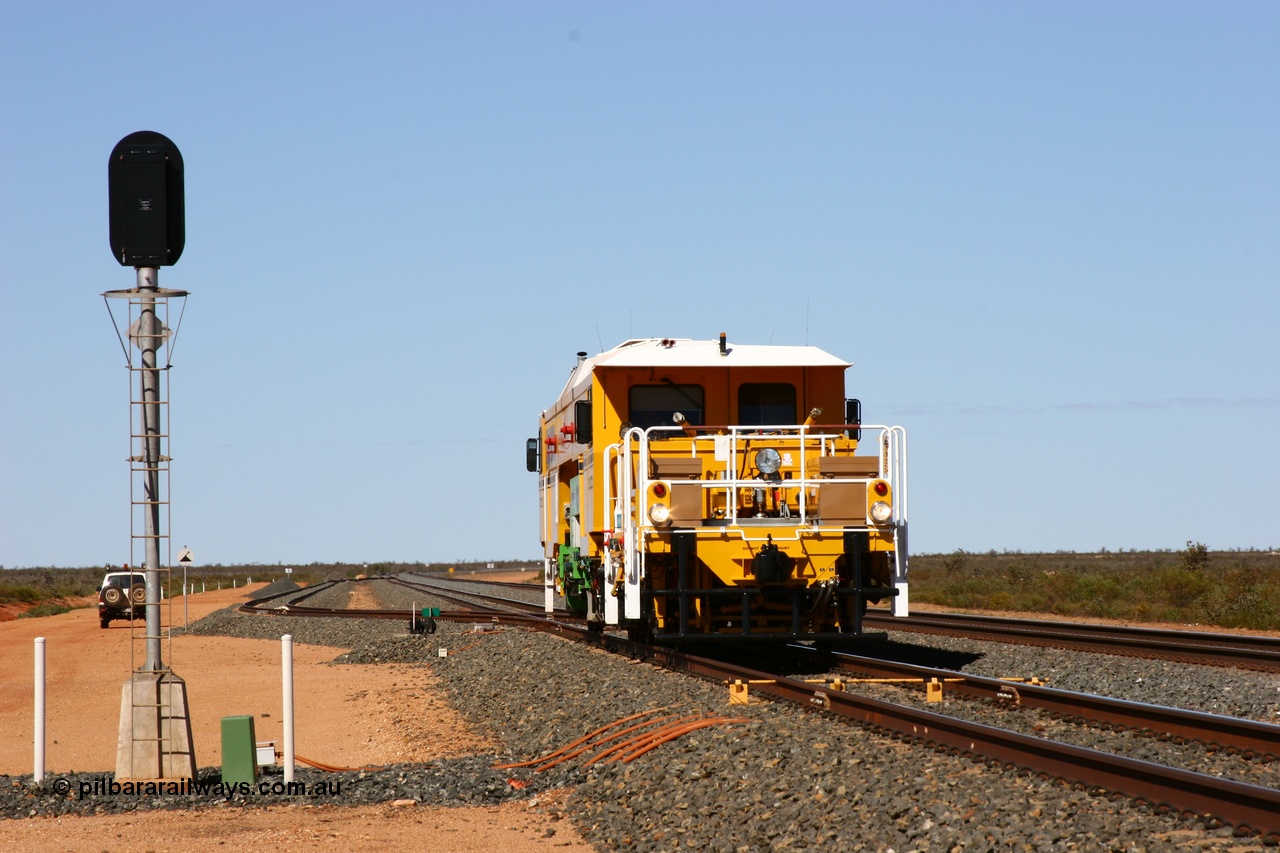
<point x="628" y="509"/>
<point x="893" y="465"/>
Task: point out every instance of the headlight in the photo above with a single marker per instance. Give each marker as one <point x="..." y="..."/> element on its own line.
<point x="659" y="513"/>
<point x="881" y="512"/>
<point x="768" y="461"/>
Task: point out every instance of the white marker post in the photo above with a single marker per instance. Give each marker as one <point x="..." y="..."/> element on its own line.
<point x="286" y="652"/>
<point x="39" y="757"/>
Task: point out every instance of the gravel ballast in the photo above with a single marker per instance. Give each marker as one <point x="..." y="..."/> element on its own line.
<point x="788" y="779"/>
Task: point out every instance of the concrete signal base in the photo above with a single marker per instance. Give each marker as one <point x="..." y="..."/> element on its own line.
<point x="155" y="729"/>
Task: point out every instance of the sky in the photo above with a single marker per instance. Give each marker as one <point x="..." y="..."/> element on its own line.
<point x="1046" y="234"/>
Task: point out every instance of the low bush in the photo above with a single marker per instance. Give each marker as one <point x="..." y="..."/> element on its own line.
<point x="19" y="594"/>
<point x="50" y="609"/>
<point x="1230" y="589"/>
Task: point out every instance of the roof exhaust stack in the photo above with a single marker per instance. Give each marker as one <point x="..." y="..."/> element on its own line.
<point x="724" y="349"/>
<point x="582" y="356"/>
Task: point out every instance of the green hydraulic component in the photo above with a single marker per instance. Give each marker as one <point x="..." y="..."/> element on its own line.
<point x="239" y="751"/>
<point x="426" y="623"/>
<point x="574" y="575"/>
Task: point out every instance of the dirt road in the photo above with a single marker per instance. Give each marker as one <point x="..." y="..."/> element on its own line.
<point x="345" y="715"/>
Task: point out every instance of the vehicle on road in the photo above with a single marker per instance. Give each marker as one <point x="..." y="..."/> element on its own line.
<point x="122" y="595"/>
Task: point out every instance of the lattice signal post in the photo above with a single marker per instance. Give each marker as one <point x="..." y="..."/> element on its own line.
<point x="145" y="179"/>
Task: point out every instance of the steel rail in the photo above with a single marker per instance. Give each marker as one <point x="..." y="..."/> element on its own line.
<point x="493" y="616"/>
<point x="452" y="579"/>
<point x="299" y="593"/>
<point x="1246" y="652"/>
<point x="459" y="595"/>
<point x="1252" y="809"/>
<point x="291" y="607"/>
<point x="1250" y="738"/>
<point x="1246" y="641"/>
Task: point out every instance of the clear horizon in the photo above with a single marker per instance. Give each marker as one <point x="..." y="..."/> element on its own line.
<point x="1045" y="235"/>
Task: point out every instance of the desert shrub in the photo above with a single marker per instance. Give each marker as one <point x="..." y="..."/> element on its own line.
<point x="1095" y="589"/>
<point x="999" y="600"/>
<point x="50" y="609"/>
<point x="1192" y="585"/>
<point x="19" y="593"/>
<point x="1181" y="587"/>
<point x="1195" y="557"/>
<point x="963" y="592"/>
<point x="1018" y="574"/>
<point x="1239" y="601"/>
<point x="954" y="564"/>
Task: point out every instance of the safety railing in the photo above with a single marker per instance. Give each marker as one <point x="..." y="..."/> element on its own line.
<point x="728" y="468"/>
<point x="727" y="453"/>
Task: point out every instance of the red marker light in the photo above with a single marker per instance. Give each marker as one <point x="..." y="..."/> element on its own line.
<point x="659" y="490"/>
<point x="882" y="488"/>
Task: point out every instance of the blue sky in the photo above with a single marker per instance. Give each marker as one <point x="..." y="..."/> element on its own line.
<point x="1046" y="235"/>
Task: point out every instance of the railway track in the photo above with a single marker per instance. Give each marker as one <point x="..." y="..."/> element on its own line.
<point x="1247" y="738"/>
<point x="1237" y="650"/>
<point x="1249" y="808"/>
<point x="454" y="591"/>
<point x="290" y="604"/>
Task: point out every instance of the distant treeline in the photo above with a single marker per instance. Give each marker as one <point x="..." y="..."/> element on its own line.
<point x="33" y="586"/>
<point x="1230" y="589"/>
<point x="1193" y="585"/>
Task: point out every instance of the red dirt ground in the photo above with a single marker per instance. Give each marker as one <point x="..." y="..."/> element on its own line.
<point x="360" y="715"/>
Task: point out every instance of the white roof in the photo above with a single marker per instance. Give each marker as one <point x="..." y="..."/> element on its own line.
<point x="684" y="352"/>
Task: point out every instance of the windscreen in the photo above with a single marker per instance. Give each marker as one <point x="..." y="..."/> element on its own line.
<point x="653" y="405"/>
<point x="766" y="403"/>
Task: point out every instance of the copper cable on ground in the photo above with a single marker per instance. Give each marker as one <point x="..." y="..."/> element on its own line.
<point x="702" y="724"/>
<point x="329" y="767"/>
<point x="644" y="737"/>
<point x="586" y="746"/>
<point x="640" y="740"/>
<point x="582" y="739"/>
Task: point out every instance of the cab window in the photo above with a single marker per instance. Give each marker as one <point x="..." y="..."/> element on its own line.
<point x="766" y="403"/>
<point x="653" y="405"/>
